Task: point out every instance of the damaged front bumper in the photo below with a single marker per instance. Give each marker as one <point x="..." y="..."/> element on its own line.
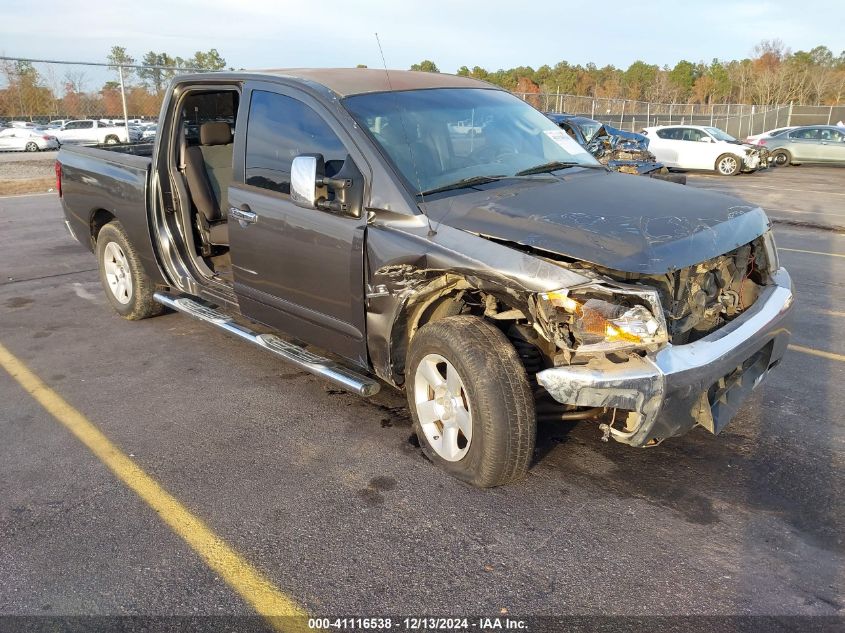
<point x="756" y="158"/>
<point x="702" y="383"/>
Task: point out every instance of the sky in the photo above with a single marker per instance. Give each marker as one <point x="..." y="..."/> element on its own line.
<point x="490" y="33"/>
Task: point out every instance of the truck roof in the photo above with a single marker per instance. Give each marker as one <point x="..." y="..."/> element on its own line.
<point x="351" y="81"/>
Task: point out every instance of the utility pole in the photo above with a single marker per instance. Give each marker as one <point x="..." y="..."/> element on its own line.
<point x="123" y="100"/>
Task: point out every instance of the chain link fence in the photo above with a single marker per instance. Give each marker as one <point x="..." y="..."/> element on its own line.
<point x="42" y="91"/>
<point x="739" y="120"/>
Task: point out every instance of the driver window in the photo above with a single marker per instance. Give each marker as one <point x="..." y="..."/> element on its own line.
<point x="280" y="128"/>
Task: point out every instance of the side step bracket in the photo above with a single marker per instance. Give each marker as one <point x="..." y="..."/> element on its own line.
<point x="299" y="356"/>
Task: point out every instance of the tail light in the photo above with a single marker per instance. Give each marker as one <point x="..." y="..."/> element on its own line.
<point x="47" y="138"/>
<point x="59" y="178"/>
<point x="761" y="141"/>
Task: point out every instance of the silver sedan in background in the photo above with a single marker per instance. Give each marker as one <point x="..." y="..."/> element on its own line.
<point x="807" y="144"/>
<point x="25" y="139"/>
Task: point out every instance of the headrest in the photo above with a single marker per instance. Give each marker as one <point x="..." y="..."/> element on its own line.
<point x="215" y="133"/>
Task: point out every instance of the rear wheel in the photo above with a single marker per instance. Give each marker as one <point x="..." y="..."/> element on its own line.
<point x="32" y="146"/>
<point x="111" y="139"/>
<point x="472" y="407"/>
<point x="128" y="288"/>
<point x="727" y="165"/>
<point x="781" y="158"/>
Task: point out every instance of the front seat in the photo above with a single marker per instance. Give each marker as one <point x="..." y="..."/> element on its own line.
<point x="208" y="171"/>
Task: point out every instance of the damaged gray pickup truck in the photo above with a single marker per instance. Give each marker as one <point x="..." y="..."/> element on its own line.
<point x="439" y="235"/>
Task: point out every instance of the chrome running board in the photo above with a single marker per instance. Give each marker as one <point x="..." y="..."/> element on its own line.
<point x="299" y="356"/>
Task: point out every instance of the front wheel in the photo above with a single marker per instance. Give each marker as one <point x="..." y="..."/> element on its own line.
<point x="470" y="401"/>
<point x="31" y="147"/>
<point x="727" y="165"/>
<point x="128" y="288"/>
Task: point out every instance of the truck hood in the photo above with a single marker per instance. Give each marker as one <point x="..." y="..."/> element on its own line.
<point x="622" y="222"/>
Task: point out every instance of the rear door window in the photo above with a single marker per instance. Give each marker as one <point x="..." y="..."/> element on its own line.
<point x="671" y="133"/>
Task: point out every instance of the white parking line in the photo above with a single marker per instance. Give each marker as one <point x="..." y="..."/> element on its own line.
<point x="28" y="195"/>
<point x="799" y="250"/>
<point x="824" y="193"/>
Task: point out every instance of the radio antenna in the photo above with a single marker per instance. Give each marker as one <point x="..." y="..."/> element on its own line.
<point x="431" y="231"/>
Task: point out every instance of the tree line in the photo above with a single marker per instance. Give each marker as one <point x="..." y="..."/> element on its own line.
<point x="55" y="91"/>
<point x="774" y="74"/>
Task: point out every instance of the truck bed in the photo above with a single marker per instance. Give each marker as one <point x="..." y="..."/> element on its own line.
<point x="108" y="182"/>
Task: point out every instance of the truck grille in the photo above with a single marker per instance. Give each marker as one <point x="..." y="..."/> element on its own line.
<point x="700" y="299"/>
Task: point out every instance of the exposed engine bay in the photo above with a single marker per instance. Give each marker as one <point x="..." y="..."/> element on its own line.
<point x="695" y="301"/>
<point x="702" y="298"/>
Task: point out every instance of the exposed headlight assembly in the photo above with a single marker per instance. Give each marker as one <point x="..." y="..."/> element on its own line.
<point x="603" y="318"/>
<point x="771" y="251"/>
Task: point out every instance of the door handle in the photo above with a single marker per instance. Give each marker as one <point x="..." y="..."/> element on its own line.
<point x="243" y="215"/>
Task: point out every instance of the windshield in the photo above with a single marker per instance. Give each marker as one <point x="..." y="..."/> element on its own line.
<point x="440" y="137"/>
<point x="719" y="134"/>
<point x="588" y="127"/>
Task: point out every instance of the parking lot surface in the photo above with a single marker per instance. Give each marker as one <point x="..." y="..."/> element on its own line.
<point x="329" y="498"/>
<point x="804" y="195"/>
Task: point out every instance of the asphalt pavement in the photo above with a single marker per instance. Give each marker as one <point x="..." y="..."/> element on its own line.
<point x="800" y="195"/>
<point x="327" y="495"/>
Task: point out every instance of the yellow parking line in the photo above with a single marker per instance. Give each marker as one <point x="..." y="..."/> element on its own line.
<point x="818" y="352"/>
<point x="798" y="250"/>
<point x="833" y="313"/>
<point x="239" y="574"/>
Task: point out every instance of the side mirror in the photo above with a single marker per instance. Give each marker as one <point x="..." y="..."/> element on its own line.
<point x="311" y="189"/>
<point x="305" y="170"/>
<point x="706" y="139"/>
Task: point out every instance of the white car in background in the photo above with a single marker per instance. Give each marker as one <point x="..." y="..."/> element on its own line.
<point x="704" y="147"/>
<point x="148" y="131"/>
<point x="23" y="139"/>
<point x="755" y="138"/>
<point x="90" y="132"/>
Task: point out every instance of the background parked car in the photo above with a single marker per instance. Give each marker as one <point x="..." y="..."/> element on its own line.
<point x="808" y="144"/>
<point x="23" y="139"/>
<point x="622" y="151"/>
<point x="90" y="132"/>
<point x="755" y="139"/>
<point x="704" y="147"/>
<point x="148" y="131"/>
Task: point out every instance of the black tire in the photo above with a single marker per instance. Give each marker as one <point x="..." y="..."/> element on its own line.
<point x="781" y="158"/>
<point x="31" y="147"/>
<point x="139" y="302"/>
<point x="501" y="403"/>
<point x="111" y="139"/>
<point x="726" y="160"/>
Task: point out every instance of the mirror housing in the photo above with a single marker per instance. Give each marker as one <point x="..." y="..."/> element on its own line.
<point x="706" y="139"/>
<point x="311" y="189"/>
<point x="305" y="171"/>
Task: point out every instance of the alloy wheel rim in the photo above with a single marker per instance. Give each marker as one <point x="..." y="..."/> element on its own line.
<point x="118" y="275"/>
<point x="727" y="165"/>
<point x="443" y="407"/>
